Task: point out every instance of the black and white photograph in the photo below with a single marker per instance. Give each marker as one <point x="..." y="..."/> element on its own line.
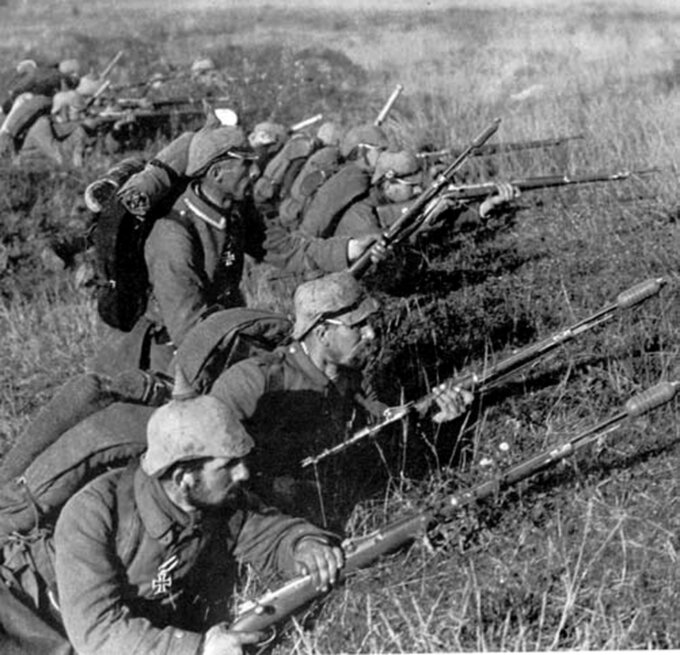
<point x="339" y="327"/>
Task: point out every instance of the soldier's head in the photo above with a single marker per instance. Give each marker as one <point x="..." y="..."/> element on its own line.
<point x="363" y="144"/>
<point x="333" y="317"/>
<point x="221" y="160"/>
<point x="399" y="176"/>
<point x="330" y="133"/>
<point x="196" y="448"/>
<point x="268" y="134"/>
<point x="204" y="71"/>
<point x="70" y="69"/>
<point x="67" y="105"/>
<point x="88" y="85"/>
<point x="26" y="66"/>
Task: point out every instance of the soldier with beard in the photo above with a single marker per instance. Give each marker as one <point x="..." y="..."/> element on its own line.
<point x="144" y="558"/>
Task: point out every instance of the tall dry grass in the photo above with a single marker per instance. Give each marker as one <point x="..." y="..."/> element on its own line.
<point x="45" y="340"/>
<point x="584" y="557"/>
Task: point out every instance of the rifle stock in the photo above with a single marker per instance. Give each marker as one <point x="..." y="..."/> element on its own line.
<point x="275" y="606"/>
<point x="490" y="377"/>
<point x="405" y="224"/>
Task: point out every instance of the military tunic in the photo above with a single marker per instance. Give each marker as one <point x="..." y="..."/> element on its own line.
<point x="290" y="407"/>
<point x="347" y="186"/>
<point x="195" y="259"/>
<point x="136" y="574"/>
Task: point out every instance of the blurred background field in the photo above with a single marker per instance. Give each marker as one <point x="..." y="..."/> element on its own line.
<point x="586" y="557"/>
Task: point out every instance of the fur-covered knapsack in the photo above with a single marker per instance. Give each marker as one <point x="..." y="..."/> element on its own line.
<point x="119" y="234"/>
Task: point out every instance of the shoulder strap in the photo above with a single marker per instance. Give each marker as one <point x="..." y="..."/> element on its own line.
<point x="275" y="377"/>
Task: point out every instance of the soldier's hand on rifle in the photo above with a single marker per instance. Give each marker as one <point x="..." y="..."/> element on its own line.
<point x="319" y="560"/>
<point x="451" y="401"/>
<point x="505" y="192"/>
<point x="220" y="640"/>
<point x="357" y="245"/>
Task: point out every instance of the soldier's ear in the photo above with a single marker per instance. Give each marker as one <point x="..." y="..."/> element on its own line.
<point x="321" y="331"/>
<point x="177" y="475"/>
<point x="183" y="477"/>
<point x="214" y="172"/>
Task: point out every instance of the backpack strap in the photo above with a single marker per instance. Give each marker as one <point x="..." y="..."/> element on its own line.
<point x="275" y="377"/>
<point x="128" y="521"/>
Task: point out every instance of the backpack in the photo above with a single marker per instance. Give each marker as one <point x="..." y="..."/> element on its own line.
<point x="118" y="239"/>
<point x="119" y="235"/>
<point x="280" y="172"/>
<point x="324" y="211"/>
<point x="317" y="168"/>
<point x="225" y="337"/>
<point x="110" y="437"/>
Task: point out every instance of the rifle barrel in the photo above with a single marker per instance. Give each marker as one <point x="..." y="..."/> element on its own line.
<point x="492" y="376"/>
<point x="639" y="404"/>
<point x="483" y="189"/>
<point x="281" y="603"/>
<point x="307" y="122"/>
<point x="382" y="115"/>
<point x="110" y="66"/>
<point x="495" y="148"/>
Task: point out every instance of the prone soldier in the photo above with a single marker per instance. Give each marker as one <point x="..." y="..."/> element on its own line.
<point x="397" y="179"/>
<point x="143" y="558"/>
<point x="360" y="148"/>
<point x="302" y="396"/>
<point x="30" y="97"/>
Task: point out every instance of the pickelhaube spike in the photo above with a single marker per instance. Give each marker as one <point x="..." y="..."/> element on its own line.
<point x="182" y="390"/>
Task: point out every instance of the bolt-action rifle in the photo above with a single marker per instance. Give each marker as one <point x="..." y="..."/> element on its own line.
<point x="382" y="115"/>
<point x="125" y="117"/>
<point x="122" y="104"/>
<point x="485" y="189"/>
<point x="496" y="148"/>
<point x="491" y="377"/>
<point x="273" y="607"/>
<point x="408" y="222"/>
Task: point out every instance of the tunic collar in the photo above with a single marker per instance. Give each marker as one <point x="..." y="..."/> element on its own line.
<point x="307" y="366"/>
<point x="159" y="515"/>
<point x="202" y="208"/>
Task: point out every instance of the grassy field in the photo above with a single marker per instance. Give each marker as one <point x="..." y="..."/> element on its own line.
<point x="586" y="555"/>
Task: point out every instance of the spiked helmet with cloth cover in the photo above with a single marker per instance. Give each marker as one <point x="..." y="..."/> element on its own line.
<point x="192" y="427"/>
<point x="338" y="295"/>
